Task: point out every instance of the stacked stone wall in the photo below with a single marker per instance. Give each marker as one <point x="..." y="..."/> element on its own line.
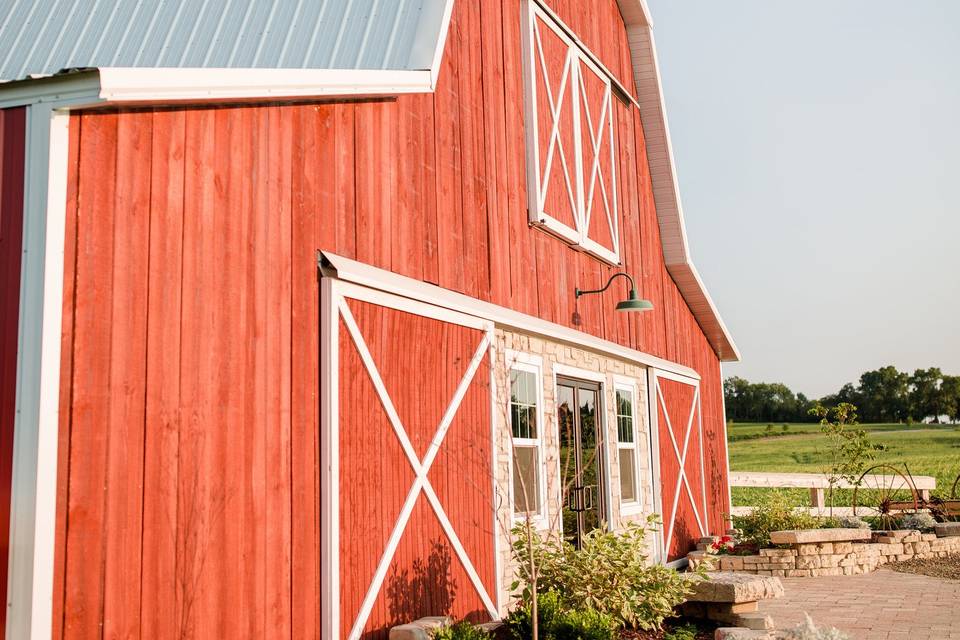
<point x="834" y="558"/>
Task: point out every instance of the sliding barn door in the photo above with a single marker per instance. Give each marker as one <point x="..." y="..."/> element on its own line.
<point x="408" y="513"/>
<point x="682" y="490"/>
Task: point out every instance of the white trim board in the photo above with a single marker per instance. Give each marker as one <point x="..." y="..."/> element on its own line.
<point x="363" y="274"/>
<point x="132" y="86"/>
<point x="36" y="427"/>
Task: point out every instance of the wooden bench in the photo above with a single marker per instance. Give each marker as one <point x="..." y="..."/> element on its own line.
<point x="817" y="483"/>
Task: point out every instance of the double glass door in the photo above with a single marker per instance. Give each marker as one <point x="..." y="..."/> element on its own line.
<point x="579" y="413"/>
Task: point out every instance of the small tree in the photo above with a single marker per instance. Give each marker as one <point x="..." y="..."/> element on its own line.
<point x="848" y="447"/>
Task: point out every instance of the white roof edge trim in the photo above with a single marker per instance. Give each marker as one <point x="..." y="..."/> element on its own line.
<point x="431" y="37"/>
<point x="373" y="277"/>
<point x="177" y="85"/>
<point x="666" y="191"/>
<point x="115" y="85"/>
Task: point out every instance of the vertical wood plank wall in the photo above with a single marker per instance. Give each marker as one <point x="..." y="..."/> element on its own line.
<point x="188" y="483"/>
<point x="12" y="154"/>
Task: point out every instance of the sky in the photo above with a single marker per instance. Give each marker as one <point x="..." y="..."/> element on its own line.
<point x="818" y="153"/>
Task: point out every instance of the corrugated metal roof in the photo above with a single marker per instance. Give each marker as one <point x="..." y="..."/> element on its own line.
<point x="46" y="36"/>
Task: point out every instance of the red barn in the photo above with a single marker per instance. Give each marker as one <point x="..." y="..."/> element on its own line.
<point x="290" y="333"/>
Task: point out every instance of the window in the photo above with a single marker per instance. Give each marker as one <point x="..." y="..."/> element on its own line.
<point x="525" y="430"/>
<point x="627" y="445"/>
<point x="570" y="138"/>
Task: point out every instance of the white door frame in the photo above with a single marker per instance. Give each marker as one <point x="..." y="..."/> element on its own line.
<point x="655" y="401"/>
<point x="333" y="308"/>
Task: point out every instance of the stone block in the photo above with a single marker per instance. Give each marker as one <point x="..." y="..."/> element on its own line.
<point x="928" y="537"/>
<point x="912" y="537"/>
<point x="757" y="621"/>
<point x="778" y="553"/>
<point x="735" y="588"/>
<point x="419" y="629"/>
<point x="842" y="547"/>
<point x="947" y="529"/>
<point x="798" y="573"/>
<point x="739" y="633"/>
<point x="752" y="559"/>
<point x="921" y="547"/>
<point x="805" y="536"/>
<point x="808" y="562"/>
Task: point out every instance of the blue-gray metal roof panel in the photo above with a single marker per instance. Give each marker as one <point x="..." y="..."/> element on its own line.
<point x="39" y="37"/>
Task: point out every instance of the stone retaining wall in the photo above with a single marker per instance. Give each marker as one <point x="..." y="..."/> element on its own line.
<point x="834" y="558"/>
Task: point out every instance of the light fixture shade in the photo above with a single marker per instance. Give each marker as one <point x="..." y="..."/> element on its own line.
<point x="634" y="303"/>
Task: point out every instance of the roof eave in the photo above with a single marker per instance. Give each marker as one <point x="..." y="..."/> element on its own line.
<point x="137" y="86"/>
<point x="666" y="192"/>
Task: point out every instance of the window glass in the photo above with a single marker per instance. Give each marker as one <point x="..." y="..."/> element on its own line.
<point x="526" y="486"/>
<point x="628" y="475"/>
<point x="624" y="416"/>
<point x="523" y="404"/>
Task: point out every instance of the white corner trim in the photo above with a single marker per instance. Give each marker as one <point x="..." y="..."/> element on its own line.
<point x="441" y="42"/>
<point x="366" y="275"/>
<point x="120" y="85"/>
<point x="36" y="428"/>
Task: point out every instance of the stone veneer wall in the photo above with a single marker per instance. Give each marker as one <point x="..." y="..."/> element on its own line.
<point x="553" y="355"/>
<point x="835" y="558"/>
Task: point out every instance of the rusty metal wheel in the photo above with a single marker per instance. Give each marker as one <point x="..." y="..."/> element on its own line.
<point x="882" y="493"/>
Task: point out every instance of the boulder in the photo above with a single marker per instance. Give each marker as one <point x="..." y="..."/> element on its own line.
<point x="419" y="629"/>
<point x="724" y="586"/>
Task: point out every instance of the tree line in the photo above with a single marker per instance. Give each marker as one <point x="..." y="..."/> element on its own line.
<point x="884" y="395"/>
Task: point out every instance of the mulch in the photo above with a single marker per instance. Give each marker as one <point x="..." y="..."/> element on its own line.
<point x="948" y="567"/>
<point x="704" y="630"/>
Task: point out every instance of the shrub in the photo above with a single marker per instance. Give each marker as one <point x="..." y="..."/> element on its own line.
<point x="610" y="574"/>
<point x="462" y="630"/>
<point x="844" y="522"/>
<point x="920" y="521"/>
<point x="555" y="623"/>
<point x="809" y="631"/>
<point x="774" y="513"/>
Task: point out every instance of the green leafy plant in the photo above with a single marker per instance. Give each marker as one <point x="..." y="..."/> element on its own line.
<point x="610" y="574"/>
<point x="848" y="447"/>
<point x="462" y="630"/>
<point x="774" y="513"/>
<point x="686" y="632"/>
<point x="557" y="623"/>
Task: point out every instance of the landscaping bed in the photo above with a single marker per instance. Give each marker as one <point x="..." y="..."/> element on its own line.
<point x="947" y="567"/>
<point x="676" y="629"/>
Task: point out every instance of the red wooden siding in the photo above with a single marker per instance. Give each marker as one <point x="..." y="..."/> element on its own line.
<point x="188" y="486"/>
<point x="421" y="361"/>
<point x="12" y="154"/>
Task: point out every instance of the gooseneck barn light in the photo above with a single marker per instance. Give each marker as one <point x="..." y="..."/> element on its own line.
<point x="632" y="303"/>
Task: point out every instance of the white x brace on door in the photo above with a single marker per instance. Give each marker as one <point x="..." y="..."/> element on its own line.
<point x="680" y="477"/>
<point x="407" y="475"/>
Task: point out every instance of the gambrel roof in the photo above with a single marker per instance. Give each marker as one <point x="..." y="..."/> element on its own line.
<point x="204" y="50"/>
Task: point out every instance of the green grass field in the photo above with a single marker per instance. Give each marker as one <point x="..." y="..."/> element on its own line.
<point x="928" y="450"/>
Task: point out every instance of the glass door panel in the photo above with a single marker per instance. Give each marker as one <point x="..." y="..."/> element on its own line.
<point x="581" y="459"/>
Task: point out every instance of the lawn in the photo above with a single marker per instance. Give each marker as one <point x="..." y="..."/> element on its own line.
<point x="929" y="450"/>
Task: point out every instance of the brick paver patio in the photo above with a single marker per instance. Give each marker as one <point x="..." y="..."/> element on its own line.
<point x="876" y="606"/>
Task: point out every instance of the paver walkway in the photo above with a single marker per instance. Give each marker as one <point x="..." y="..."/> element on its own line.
<point x="876" y="606"/>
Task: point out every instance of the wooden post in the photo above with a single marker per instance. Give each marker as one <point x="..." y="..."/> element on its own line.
<point x="816" y="498"/>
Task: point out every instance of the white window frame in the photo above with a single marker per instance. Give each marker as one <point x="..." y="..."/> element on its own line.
<point x="529" y="363"/>
<point x="629" y="385"/>
<point x="584" y="179"/>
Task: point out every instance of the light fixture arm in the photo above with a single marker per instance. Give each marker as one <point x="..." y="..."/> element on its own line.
<point x="633" y="287"/>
